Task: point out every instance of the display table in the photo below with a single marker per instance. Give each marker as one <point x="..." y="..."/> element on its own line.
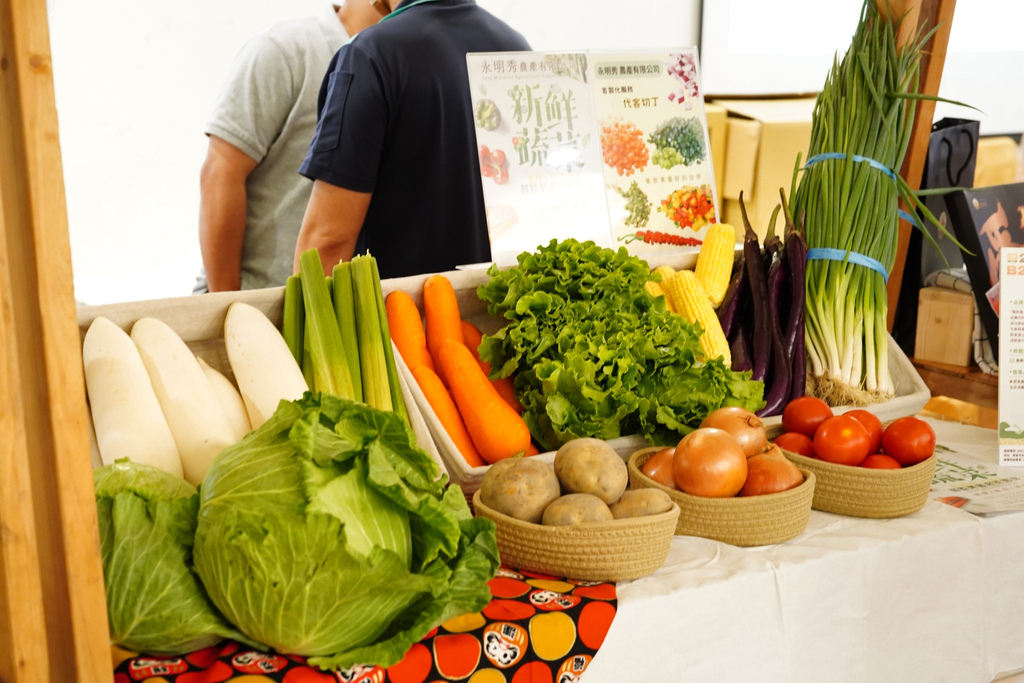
<point x="933" y="596"/>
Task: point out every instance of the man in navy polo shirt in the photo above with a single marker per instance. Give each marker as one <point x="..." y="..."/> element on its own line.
<point x="394" y="158"/>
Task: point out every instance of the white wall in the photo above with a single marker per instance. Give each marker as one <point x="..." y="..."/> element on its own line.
<point x="742" y="52"/>
<point x="135" y="80"/>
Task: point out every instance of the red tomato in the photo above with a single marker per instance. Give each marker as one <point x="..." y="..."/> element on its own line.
<point x="909" y="440"/>
<point x="872" y="424"/>
<point x="843" y="440"/>
<point x="795" y="442"/>
<point x="878" y="461"/>
<point x="804" y="414"/>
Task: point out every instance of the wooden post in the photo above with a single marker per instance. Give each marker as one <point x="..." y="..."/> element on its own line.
<point x="927" y="13"/>
<point x="53" y="624"/>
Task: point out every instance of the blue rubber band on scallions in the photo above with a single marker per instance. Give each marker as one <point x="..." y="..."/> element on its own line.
<point x="855" y="157"/>
<point x="829" y="254"/>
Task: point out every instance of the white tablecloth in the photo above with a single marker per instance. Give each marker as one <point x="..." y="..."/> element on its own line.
<point x="934" y="596"/>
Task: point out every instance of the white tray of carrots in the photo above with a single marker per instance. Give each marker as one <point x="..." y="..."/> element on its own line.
<point x="436" y="322"/>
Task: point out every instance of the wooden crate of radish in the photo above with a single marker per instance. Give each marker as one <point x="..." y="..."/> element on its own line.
<point x="172" y="382"/>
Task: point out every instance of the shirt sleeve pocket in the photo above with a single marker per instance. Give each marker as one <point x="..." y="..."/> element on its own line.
<point x="328" y="130"/>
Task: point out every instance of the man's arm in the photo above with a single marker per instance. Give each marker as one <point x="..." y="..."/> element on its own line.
<point x="334" y="217"/>
<point x="222" y="213"/>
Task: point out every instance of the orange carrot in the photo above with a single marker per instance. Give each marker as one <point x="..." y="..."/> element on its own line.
<point x="473" y="336"/>
<point x="444" y="407"/>
<point x="406" y="328"/>
<point x="441" y="310"/>
<point x="532" y="450"/>
<point x="496" y="429"/>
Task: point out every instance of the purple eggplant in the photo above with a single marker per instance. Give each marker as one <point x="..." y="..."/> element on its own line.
<point x="772" y="244"/>
<point x="740" y="350"/>
<point x="777" y="393"/>
<point x="731" y="309"/>
<point x="796" y="258"/>
<point x="795" y="251"/>
<point x="761" y="340"/>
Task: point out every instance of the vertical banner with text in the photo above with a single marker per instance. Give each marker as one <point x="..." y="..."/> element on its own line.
<point x="540" y="154"/>
<point x="1010" y="311"/>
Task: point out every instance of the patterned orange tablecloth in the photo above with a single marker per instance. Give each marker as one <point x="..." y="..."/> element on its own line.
<point x="536" y="629"/>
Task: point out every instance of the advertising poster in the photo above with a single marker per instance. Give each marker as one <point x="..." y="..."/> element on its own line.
<point x="539" y="149"/>
<point x="1011" y="356"/>
<point x="605" y="146"/>
<point x="654" y="137"/>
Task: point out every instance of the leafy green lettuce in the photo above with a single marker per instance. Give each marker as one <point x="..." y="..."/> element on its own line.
<point x="155" y="603"/>
<point x="327" y="533"/>
<point x="596" y="355"/>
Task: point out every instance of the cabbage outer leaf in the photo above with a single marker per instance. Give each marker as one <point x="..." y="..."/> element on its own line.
<point x="155" y="603"/>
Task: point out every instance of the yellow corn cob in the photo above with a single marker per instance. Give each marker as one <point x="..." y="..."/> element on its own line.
<point x="714" y="261"/>
<point x="695" y="307"/>
<point x="666" y="273"/>
<point x="657" y="290"/>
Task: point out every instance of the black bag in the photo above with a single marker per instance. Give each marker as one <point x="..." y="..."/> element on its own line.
<point x="951" y="160"/>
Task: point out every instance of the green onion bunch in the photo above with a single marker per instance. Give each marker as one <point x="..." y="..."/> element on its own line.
<point x="866" y="108"/>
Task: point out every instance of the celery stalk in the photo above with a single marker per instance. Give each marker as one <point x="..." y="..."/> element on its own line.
<point x="314" y="379"/>
<point x="397" y="400"/>
<point x="345" y="312"/>
<point x="372" y="361"/>
<point x="293" y="317"/>
<point x="325" y="344"/>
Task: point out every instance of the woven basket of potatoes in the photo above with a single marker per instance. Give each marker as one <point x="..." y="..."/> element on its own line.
<point x="575" y="518"/>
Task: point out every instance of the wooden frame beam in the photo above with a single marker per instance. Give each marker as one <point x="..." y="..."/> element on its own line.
<point x="926" y="13"/>
<point x="53" y="620"/>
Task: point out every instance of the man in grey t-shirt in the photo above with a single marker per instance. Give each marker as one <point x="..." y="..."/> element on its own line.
<point x="252" y="197"/>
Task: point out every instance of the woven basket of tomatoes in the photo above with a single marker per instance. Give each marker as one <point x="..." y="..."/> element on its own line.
<point x="730" y="484"/>
<point x="864" y="467"/>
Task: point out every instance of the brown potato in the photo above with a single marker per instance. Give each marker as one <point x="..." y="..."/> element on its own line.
<point x="520" y="488"/>
<point x="640" y="503"/>
<point x="576" y="508"/>
<point x="592" y="466"/>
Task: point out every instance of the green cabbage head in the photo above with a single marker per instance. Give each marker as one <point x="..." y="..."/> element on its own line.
<point x="327" y="533"/>
<point x="155" y="603"/>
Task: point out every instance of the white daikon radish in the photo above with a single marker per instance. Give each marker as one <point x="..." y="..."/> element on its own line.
<point x="94" y="446"/>
<point x="265" y="370"/>
<point x="192" y="410"/>
<point x="126" y="414"/>
<point x="230" y="399"/>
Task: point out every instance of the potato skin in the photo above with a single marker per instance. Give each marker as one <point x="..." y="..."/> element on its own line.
<point x="641" y="503"/>
<point x="520" y="488"/>
<point x="576" y="508"/>
<point x="589" y="465"/>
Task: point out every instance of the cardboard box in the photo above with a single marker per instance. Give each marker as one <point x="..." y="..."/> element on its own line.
<point x="945" y="321"/>
<point x="998" y="158"/>
<point x="718" y="135"/>
<point x="763" y="140"/>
